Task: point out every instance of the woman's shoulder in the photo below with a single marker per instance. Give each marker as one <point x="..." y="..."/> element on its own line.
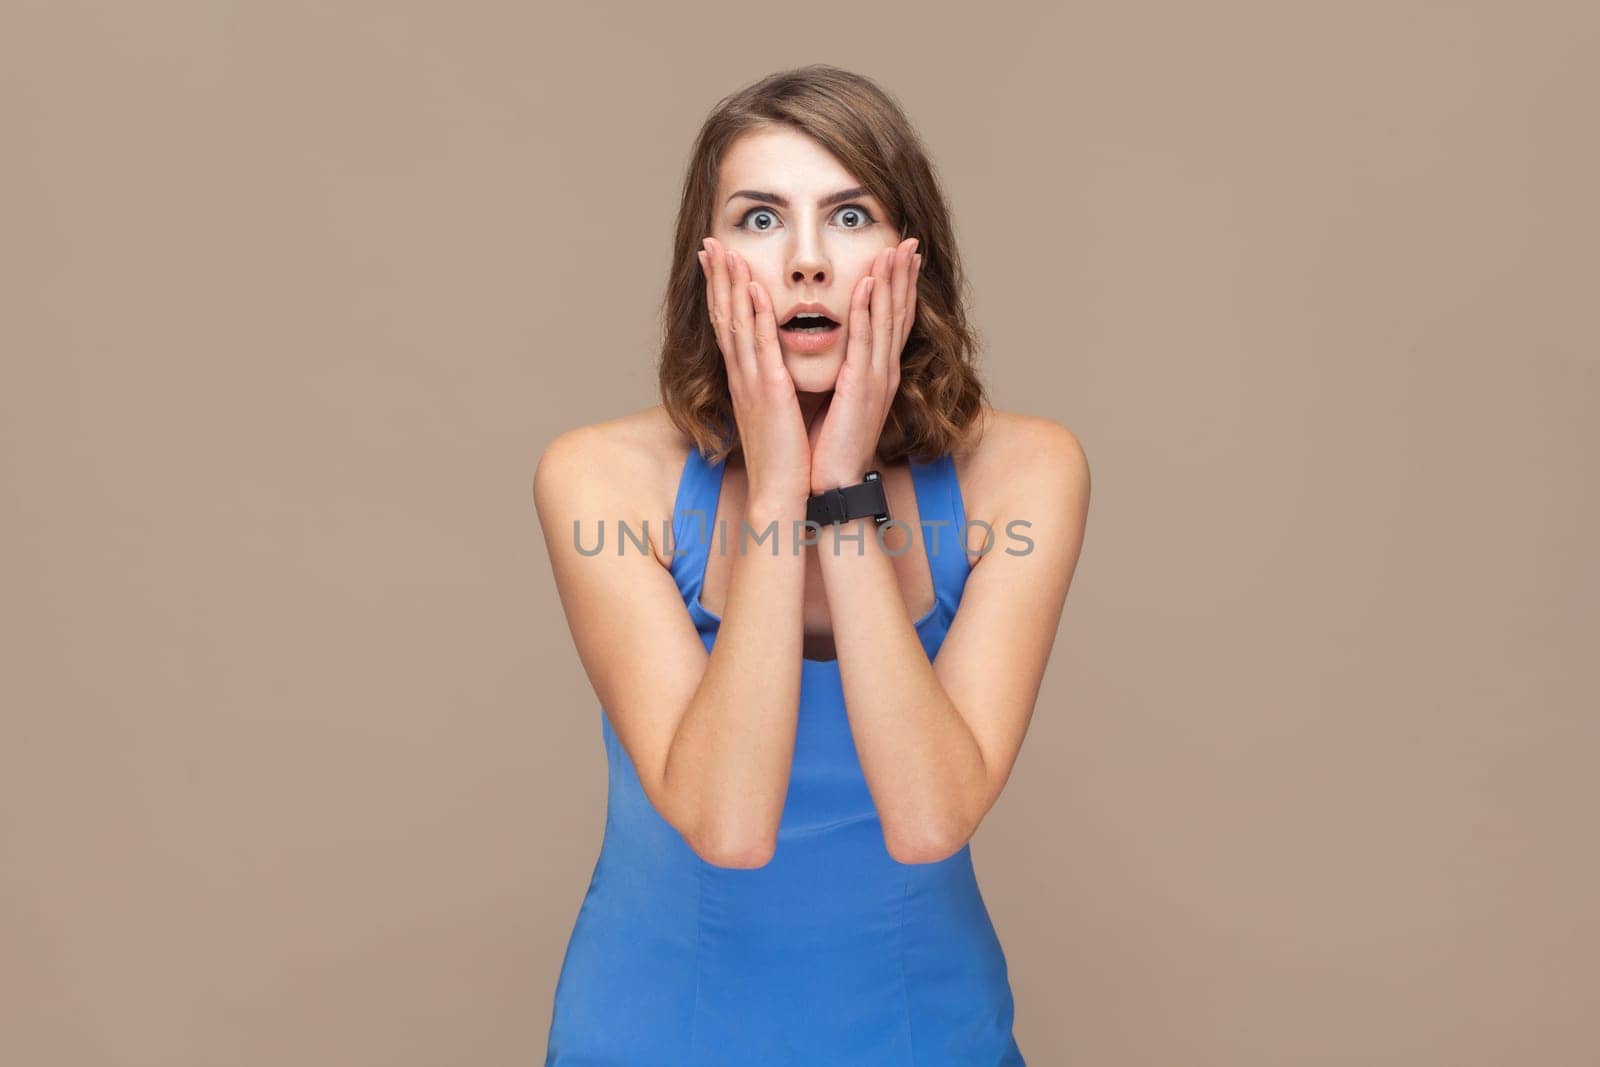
<point x="1014" y="456"/>
<point x="624" y="467"/>
<point x="622" y="441"/>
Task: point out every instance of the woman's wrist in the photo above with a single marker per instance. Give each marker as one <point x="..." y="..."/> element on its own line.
<point x="763" y="511"/>
<point x="822" y="482"/>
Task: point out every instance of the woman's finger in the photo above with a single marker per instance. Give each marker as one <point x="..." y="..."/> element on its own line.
<point x="911" y="300"/>
<point x="902" y="279"/>
<point x="769" y="358"/>
<point x="897" y="359"/>
<point x="883" y="311"/>
<point x="858" y="346"/>
<point x="719" y="301"/>
<point x="711" y="297"/>
<point x="743" y="319"/>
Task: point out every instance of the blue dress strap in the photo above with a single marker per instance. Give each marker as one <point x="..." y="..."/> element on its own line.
<point x="944" y="522"/>
<point x="693" y="512"/>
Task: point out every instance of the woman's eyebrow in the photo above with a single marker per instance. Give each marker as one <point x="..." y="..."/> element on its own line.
<point x="774" y="198"/>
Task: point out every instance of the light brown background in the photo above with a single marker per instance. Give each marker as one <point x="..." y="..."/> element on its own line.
<point x="297" y="762"/>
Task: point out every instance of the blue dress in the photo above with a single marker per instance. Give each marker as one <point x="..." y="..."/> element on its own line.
<point x="833" y="953"/>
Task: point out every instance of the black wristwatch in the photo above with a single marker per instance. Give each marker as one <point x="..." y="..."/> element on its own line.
<point x="862" y="500"/>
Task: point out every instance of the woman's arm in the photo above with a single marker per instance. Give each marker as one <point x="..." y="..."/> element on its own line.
<point x="711" y="736"/>
<point x="937" y="741"/>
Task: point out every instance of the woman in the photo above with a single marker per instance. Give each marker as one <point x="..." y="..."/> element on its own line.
<point x="802" y="742"/>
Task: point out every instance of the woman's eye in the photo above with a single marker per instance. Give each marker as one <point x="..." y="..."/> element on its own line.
<point x="853" y="216"/>
<point x="857" y="212"/>
<point x="744" y="223"/>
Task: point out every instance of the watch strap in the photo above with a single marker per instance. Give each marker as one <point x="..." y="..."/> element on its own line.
<point x="865" y="499"/>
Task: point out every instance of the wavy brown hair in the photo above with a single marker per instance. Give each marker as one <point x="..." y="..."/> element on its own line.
<point x="940" y="397"/>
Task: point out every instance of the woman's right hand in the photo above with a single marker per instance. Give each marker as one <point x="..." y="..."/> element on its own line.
<point x="772" y="431"/>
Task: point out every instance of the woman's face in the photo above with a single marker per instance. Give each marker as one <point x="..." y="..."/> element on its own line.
<point x="808" y="232"/>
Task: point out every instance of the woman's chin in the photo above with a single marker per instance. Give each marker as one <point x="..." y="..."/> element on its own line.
<point x="812" y="374"/>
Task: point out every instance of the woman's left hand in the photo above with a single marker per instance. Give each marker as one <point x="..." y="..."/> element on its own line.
<point x="844" y="435"/>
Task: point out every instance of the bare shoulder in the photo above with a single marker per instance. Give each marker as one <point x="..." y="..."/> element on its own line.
<point x="623" y="468"/>
<point x="1016" y="462"/>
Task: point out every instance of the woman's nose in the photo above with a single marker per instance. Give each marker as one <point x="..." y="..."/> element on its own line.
<point x="807" y="260"/>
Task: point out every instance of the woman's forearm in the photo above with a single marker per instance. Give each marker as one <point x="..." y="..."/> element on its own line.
<point x="728" y="765"/>
<point x="918" y="755"/>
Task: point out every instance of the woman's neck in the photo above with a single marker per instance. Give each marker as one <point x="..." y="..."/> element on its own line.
<point x="810" y="404"/>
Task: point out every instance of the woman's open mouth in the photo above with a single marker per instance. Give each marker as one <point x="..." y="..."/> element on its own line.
<point x="809" y="333"/>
